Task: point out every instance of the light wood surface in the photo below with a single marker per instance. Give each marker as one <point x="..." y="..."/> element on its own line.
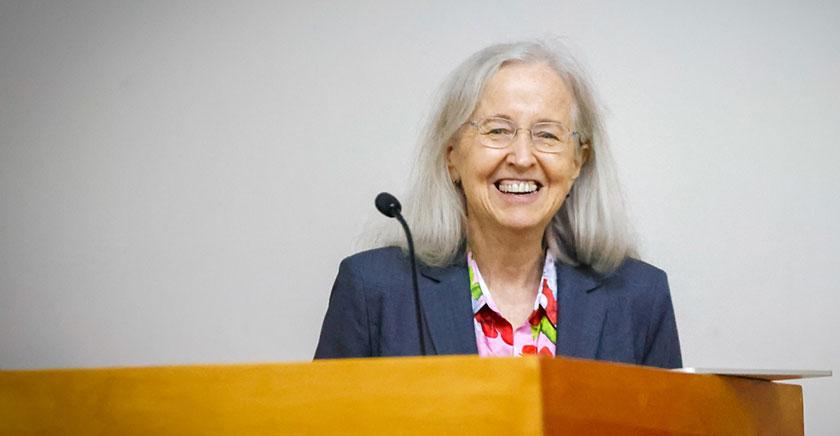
<point x="394" y="396"/>
<point x="399" y="396"/>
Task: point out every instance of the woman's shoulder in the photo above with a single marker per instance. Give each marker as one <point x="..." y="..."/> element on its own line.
<point x="639" y="270"/>
<point x="637" y="279"/>
<point x="376" y="257"/>
<point x="376" y="268"/>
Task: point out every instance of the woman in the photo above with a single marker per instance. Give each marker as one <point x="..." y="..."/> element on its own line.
<point x="519" y="229"/>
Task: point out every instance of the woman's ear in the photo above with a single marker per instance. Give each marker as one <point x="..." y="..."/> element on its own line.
<point x="584" y="154"/>
<point x="581" y="157"/>
<point x="452" y="159"/>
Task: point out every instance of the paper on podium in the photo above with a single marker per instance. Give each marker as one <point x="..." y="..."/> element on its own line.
<point x="761" y="374"/>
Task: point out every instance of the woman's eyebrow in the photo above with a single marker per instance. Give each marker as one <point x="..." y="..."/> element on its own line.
<point x="501" y="115"/>
<point x="540" y="120"/>
<point x="548" y="120"/>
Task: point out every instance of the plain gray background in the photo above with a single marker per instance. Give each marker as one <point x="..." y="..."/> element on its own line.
<point x="179" y="180"/>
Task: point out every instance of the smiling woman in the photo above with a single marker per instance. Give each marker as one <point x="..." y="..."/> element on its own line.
<point x="512" y="187"/>
<point x="519" y="228"/>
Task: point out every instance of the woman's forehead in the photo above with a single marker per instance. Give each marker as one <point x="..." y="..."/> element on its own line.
<point x="532" y="91"/>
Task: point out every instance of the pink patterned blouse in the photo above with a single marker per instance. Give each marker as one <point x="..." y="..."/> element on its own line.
<point x="495" y="336"/>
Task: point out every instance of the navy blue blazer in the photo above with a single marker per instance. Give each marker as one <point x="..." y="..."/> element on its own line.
<point x="625" y="316"/>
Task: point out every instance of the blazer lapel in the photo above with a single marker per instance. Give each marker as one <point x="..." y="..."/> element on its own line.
<point x="581" y="317"/>
<point x="447" y="309"/>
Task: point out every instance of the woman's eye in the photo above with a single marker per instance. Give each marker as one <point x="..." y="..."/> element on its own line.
<point x="498" y="131"/>
<point x="547" y="135"/>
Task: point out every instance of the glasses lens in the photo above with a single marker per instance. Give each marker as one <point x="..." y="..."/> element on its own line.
<point x="550" y="137"/>
<point x="496" y="132"/>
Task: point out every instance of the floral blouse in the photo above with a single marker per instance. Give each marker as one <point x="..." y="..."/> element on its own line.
<point x="495" y="336"/>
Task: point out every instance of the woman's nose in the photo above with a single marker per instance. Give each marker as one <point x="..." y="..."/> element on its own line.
<point x="521" y="149"/>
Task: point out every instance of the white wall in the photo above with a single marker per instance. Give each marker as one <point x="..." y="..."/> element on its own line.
<point x="178" y="182"/>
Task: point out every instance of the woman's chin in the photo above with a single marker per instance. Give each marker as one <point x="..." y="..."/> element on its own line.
<point x="519" y="224"/>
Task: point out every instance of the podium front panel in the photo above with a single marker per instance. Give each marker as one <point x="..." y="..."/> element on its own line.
<point x="599" y="398"/>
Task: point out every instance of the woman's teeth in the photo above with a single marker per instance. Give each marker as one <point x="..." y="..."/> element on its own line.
<point x="517" y="187"/>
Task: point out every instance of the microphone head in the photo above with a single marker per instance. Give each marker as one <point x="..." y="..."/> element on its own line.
<point x="388" y="204"/>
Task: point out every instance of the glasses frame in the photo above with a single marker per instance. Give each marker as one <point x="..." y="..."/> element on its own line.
<point x="476" y="124"/>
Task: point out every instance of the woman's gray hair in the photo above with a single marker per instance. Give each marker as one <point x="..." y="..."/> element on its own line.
<point x="590" y="228"/>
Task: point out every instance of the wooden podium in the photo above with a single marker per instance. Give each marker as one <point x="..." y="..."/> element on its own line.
<point x="457" y="395"/>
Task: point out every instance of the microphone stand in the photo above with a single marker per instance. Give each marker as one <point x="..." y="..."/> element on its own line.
<point x="390" y="207"/>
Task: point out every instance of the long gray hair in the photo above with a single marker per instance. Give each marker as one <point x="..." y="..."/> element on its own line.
<point x="590" y="228"/>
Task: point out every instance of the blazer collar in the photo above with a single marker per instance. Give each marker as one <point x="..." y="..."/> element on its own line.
<point x="447" y="310"/>
<point x="582" y="311"/>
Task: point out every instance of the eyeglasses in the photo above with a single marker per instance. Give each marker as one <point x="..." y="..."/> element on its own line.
<point x="547" y="136"/>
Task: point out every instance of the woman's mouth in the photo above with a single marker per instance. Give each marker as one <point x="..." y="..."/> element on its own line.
<point x="517" y="187"/>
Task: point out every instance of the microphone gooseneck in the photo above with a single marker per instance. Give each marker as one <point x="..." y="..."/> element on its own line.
<point x="390" y="207"/>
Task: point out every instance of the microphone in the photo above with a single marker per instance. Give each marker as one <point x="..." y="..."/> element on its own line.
<point x="390" y="207"/>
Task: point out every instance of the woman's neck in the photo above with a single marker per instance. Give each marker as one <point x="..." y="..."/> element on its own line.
<point x="508" y="259"/>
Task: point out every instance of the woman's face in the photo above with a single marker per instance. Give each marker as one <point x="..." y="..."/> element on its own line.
<point x="492" y="179"/>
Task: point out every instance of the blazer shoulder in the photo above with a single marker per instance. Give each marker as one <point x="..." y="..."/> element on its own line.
<point x="377" y="258"/>
<point x="637" y="280"/>
<point x="638" y="272"/>
<point x="379" y="268"/>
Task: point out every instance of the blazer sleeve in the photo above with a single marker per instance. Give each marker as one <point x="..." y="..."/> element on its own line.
<point x="345" y="331"/>
<point x="662" y="344"/>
